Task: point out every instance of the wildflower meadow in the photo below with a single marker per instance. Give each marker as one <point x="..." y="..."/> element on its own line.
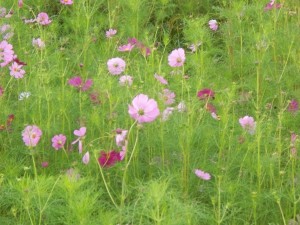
<point x="140" y="112"/>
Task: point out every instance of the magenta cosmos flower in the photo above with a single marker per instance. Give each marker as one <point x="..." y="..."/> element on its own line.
<point x="272" y="5"/>
<point x="213" y="25"/>
<point x="66" y="2"/>
<point x="16" y="70"/>
<point x="203" y="175"/>
<point x="116" y="66"/>
<point x="108" y="159"/>
<point x="110" y="33"/>
<point x="205" y="94"/>
<point x="293" y="106"/>
<point x="31" y="135"/>
<point x="6" y="53"/>
<point x="176" y="58"/>
<point x="43" y="19"/>
<point x="248" y="124"/>
<point x="79" y="84"/>
<point x="58" y="141"/>
<point x="143" y="109"/>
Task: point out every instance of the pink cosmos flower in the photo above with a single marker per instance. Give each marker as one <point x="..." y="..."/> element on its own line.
<point x="110" y="33"/>
<point x="45" y="164"/>
<point x="205" y="94"/>
<point x="20" y="3"/>
<point x="58" y="141"/>
<point x="5" y="28"/>
<point x="248" y="124"/>
<point x="121" y="136"/>
<point x="271" y="5"/>
<point x="1" y="91"/>
<point x="143" y="109"/>
<point x="79" y="84"/>
<point x="161" y="79"/>
<point x="31" y="135"/>
<point x="16" y="70"/>
<point x="176" y="58"/>
<point x="66" y="2"/>
<point x="126" y="48"/>
<point x="38" y="43"/>
<point x="6" y="53"/>
<point x="80" y="134"/>
<point x="166" y="113"/>
<point x="126" y="80"/>
<point x="123" y="151"/>
<point x="108" y="159"/>
<point x="116" y="66"/>
<point x="133" y="41"/>
<point x="168" y="97"/>
<point x="213" y="25"/>
<point x="203" y="175"/>
<point x="86" y="158"/>
<point x="293" y="106"/>
<point x="43" y="19"/>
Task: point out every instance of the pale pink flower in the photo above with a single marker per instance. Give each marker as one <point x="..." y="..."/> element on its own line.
<point x="194" y="47"/>
<point x="5" y="28"/>
<point x="79" y="84"/>
<point x="28" y="21"/>
<point x="248" y="124"/>
<point x="168" y="97"/>
<point x="31" y="135"/>
<point x="43" y="19"/>
<point x="126" y="48"/>
<point x="66" y="2"/>
<point x="123" y="151"/>
<point x="58" y="141"/>
<point x="86" y="158"/>
<point x="126" y="80"/>
<point x="203" y="175"/>
<point x="2" y="12"/>
<point x="166" y="113"/>
<point x="6" y="53"/>
<point x="8" y="35"/>
<point x="161" y="79"/>
<point x="143" y="109"/>
<point x="213" y="25"/>
<point x="80" y="134"/>
<point x="116" y="66"/>
<point x="110" y="33"/>
<point x="38" y="43"/>
<point x="16" y="70"/>
<point x="176" y="57"/>
<point x="121" y="136"/>
<point x="181" y="107"/>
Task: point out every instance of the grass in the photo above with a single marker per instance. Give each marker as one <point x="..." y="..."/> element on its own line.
<point x="251" y="63"/>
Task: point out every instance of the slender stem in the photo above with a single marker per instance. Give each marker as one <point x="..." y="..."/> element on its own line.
<point x="106" y="186"/>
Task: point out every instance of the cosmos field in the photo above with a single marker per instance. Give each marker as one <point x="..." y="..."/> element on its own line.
<point x="149" y="112"/>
